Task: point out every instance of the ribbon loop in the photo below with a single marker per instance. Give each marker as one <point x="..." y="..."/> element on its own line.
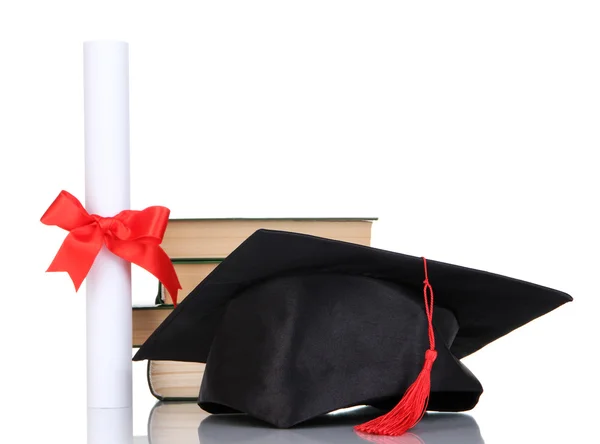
<point x="132" y="235"/>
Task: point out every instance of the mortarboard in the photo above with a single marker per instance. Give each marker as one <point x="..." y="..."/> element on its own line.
<point x="293" y="326"/>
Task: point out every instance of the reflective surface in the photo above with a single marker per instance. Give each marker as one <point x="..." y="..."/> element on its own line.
<point x="113" y="426"/>
<point x="186" y="423"/>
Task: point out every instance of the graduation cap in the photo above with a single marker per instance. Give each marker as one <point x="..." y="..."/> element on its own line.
<point x="293" y="326"/>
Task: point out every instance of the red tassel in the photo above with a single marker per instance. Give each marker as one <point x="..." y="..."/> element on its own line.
<point x="411" y="408"/>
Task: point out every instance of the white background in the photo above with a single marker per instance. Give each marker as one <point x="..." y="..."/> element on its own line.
<point x="469" y="128"/>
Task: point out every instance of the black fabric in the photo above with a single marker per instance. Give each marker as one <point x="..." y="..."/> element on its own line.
<point x="324" y="345"/>
<point x="292" y="326"/>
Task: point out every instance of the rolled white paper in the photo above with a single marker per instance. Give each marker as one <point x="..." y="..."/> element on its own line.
<point x="110" y="426"/>
<point x="108" y="284"/>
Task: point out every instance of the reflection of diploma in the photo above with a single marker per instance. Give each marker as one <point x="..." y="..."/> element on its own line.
<point x="108" y="284"/>
<point x="110" y="426"/>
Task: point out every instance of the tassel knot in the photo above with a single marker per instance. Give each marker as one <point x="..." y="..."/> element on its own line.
<point x="430" y="357"/>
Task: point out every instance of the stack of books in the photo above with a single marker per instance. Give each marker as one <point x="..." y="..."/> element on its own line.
<point x="196" y="247"/>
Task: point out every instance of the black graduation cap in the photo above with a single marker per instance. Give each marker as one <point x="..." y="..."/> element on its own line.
<point x="293" y="326"/>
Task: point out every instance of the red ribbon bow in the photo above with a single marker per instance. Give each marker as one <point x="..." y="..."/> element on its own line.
<point x="132" y="235"/>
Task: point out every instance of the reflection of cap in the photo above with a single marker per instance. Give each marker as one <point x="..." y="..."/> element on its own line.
<point x="293" y="326"/>
<point x="436" y="428"/>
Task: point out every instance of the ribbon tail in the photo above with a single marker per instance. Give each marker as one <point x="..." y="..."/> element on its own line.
<point x="168" y="275"/>
<point x="76" y="256"/>
<point x="152" y="258"/>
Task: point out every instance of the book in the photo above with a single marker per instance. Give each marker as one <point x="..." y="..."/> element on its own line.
<point x="197" y="246"/>
<point x="175" y="422"/>
<point x="190" y="273"/>
<point x="175" y="380"/>
<point x="217" y="238"/>
<point x="145" y="319"/>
